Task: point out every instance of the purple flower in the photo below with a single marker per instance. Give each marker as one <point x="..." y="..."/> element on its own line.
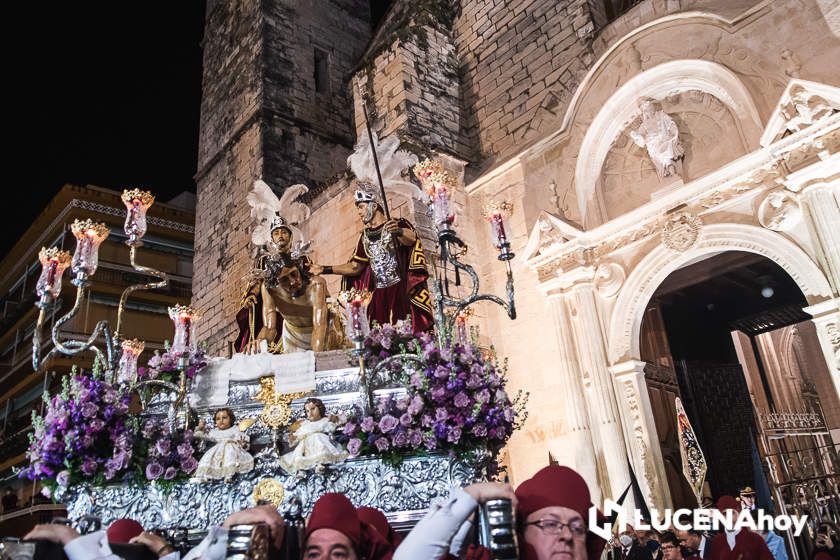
<point x="454" y="434"/>
<point x="89" y="466"/>
<point x="387" y="423"/>
<point x="63" y="478"/>
<point x="163" y="446"/>
<point x="185" y="450"/>
<point x="479" y="430"/>
<point x="349" y="428"/>
<point x="426" y="421"/>
<point x="170" y="473"/>
<point x="400" y="439"/>
<point x="89" y="410"/>
<point x="382" y="444"/>
<point x="415" y="438"/>
<point x="367" y="424"/>
<point x="406" y="419"/>
<point x="441" y="414"/>
<point x="461" y="400"/>
<point x="354" y="446"/>
<point x="46" y="492"/>
<point x="441" y="372"/>
<point x="153" y="471"/>
<point x="430" y="442"/>
<point x="438" y="394"/>
<point x="189" y="464"/>
<point x="416" y="406"/>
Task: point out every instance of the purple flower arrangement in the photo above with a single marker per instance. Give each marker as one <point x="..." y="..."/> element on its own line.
<point x="86" y="433"/>
<point x="165" y="366"/>
<point x="455" y="401"/>
<point x="164" y="455"/>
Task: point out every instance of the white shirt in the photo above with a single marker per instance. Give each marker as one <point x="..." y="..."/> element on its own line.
<point x="94" y="546"/>
<point x="730" y="538"/>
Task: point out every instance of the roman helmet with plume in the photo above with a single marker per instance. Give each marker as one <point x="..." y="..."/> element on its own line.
<point x="392" y="163"/>
<point x="271" y="213"/>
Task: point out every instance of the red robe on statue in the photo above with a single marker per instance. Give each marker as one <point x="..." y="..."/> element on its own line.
<point x="409" y="297"/>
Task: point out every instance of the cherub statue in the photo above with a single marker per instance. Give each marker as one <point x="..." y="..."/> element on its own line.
<point x="229" y="456"/>
<point x="311" y="438"/>
<point x="284" y="305"/>
<point x="659" y="134"/>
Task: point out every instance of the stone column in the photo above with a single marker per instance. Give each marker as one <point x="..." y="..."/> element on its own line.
<point x="605" y="421"/>
<point x="826" y="317"/>
<point x="821" y="209"/>
<point x="640" y="432"/>
<point x="574" y="404"/>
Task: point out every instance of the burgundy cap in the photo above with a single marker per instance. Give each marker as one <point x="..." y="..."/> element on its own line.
<point x="123" y="530"/>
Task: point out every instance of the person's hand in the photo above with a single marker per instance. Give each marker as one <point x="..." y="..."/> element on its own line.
<point x="392" y="227"/>
<point x="316" y="269"/>
<point x="483" y="491"/>
<point x="261" y="514"/>
<point x="60" y="534"/>
<point x="153" y="542"/>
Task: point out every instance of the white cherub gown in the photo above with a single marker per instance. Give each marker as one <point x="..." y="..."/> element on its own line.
<point x="314" y="447"/>
<point x="227" y="457"/>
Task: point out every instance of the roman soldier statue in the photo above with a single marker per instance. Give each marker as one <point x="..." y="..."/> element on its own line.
<point x="388" y="259"/>
<point x="284" y="305"/>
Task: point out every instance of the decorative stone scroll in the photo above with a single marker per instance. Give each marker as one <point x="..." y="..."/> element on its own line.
<point x="780" y="211"/>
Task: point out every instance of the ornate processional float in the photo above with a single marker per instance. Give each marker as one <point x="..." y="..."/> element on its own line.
<point x="321" y="396"/>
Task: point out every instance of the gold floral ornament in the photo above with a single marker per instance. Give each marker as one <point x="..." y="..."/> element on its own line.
<point x="498" y="208"/>
<point x="426" y="168"/>
<point x="269" y="490"/>
<point x="144" y="198"/>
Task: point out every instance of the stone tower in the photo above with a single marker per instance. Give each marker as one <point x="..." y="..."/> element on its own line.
<point x="275" y="105"/>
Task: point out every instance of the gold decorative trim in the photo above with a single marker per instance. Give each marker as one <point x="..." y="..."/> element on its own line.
<point x="145" y="197"/>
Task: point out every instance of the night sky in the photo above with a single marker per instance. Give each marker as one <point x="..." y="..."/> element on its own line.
<point x="102" y="93"/>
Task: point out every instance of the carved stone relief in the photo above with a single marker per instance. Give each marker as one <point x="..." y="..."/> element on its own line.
<point x="658" y="133"/>
<point x="635" y="410"/>
<point x="680" y="231"/>
<point x="709" y="137"/>
<point x="780" y="211"/>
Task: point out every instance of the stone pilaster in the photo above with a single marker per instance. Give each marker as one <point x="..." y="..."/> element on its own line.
<point x="574" y="404"/>
<point x="826" y="317"/>
<point x="598" y="387"/>
<point x="821" y="206"/>
<point x="640" y="432"/>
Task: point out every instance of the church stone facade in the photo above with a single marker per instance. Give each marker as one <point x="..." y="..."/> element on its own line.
<point x="568" y="109"/>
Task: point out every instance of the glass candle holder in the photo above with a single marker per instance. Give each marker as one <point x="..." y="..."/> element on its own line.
<point x="461" y="330"/>
<point x="495" y="213"/>
<point x="184" y="317"/>
<point x="89" y="236"/>
<point x="439" y="186"/>
<point x="131" y="350"/>
<point x="54" y="262"/>
<point x="355" y="303"/>
<point x="136" y="202"/>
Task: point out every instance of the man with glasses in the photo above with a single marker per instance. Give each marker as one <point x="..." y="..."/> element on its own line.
<point x="551" y="508"/>
<point x="695" y="543"/>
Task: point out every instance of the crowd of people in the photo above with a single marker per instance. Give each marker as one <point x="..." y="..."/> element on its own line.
<point x="552" y="510"/>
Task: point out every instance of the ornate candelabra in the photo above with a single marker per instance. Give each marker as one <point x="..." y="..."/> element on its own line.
<point x="439" y="185"/>
<point x="89" y="236"/>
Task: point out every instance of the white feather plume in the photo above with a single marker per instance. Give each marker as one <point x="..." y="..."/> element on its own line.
<point x="392" y="163"/>
<point x="265" y="206"/>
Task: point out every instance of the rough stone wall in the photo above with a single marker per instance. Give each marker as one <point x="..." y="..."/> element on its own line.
<point x="410" y="74"/>
<point x="520" y="62"/>
<point x="261" y="118"/>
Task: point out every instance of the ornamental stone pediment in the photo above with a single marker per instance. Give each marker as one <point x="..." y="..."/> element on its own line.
<point x="802" y="105"/>
<point x="549" y="233"/>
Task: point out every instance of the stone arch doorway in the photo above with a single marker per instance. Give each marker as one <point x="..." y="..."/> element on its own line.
<point x="644" y="279"/>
